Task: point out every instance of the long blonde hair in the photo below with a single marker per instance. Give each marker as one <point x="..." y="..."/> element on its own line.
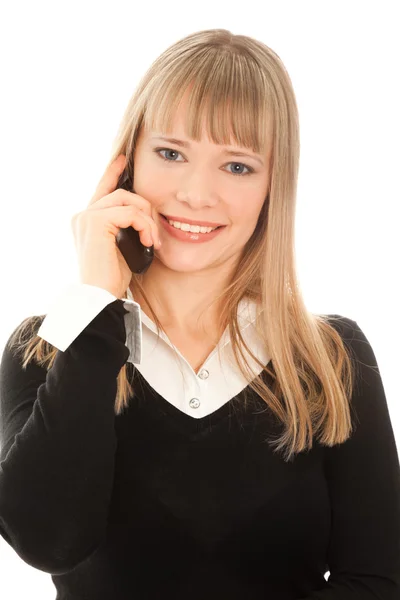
<point x="310" y="367"/>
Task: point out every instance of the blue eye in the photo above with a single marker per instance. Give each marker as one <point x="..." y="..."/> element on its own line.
<point x="158" y="150"/>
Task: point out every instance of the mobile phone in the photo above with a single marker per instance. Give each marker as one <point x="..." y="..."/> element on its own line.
<point x="137" y="256"/>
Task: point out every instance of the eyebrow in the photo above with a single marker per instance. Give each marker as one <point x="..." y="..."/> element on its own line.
<point x="226" y="151"/>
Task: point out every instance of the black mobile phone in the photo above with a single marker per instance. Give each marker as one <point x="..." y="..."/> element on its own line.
<point x="137" y="256"/>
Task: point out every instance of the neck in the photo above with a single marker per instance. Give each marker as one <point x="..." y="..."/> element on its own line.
<point x="183" y="300"/>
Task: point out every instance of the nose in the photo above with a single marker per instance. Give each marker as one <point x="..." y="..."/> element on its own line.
<point x="197" y="191"/>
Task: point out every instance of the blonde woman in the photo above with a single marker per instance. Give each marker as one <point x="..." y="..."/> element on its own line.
<point x="194" y="431"/>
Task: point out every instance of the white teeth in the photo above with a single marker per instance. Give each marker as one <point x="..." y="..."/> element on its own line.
<point x="191" y="228"/>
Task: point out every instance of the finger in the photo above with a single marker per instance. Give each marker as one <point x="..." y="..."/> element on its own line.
<point x="140" y="222"/>
<point x="109" y="180"/>
<point x="123" y="216"/>
<point x="122" y="197"/>
<point x="154" y="230"/>
<point x="146" y="227"/>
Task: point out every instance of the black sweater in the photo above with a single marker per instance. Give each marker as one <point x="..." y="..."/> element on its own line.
<point x="160" y="503"/>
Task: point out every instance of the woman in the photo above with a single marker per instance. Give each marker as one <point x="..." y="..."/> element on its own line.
<point x="194" y="431"/>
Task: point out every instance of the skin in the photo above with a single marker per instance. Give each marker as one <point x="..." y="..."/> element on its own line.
<point x="198" y="183"/>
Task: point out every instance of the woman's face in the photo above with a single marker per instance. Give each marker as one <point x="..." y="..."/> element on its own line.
<point x="198" y="182"/>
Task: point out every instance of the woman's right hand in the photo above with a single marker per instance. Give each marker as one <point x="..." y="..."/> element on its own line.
<point x="100" y="261"/>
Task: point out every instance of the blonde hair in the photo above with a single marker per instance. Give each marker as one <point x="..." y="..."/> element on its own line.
<point x="240" y="86"/>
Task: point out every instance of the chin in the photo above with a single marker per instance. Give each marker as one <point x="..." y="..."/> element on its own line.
<point x="184" y="264"/>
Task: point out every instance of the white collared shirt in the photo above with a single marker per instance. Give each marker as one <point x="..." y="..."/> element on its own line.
<point x="162" y="365"/>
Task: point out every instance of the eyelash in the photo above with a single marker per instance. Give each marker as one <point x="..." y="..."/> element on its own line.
<point x="158" y="150"/>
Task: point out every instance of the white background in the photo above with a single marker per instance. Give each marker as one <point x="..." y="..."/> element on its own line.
<point x="67" y="72"/>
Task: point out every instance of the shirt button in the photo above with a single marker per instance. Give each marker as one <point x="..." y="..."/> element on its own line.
<point x="194" y="403"/>
<point x="203" y="374"/>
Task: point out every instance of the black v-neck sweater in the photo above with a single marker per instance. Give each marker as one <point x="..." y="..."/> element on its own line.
<point x="153" y="504"/>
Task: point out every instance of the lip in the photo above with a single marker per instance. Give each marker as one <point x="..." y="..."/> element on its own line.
<point x="191" y="222"/>
<point x="189" y="236"/>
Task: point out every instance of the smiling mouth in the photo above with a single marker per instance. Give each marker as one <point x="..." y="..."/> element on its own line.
<point x="219" y="226"/>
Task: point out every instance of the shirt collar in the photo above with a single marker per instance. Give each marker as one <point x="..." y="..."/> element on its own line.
<point x="219" y="379"/>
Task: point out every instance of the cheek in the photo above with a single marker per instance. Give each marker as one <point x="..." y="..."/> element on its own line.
<point x="145" y="178"/>
<point x="144" y="185"/>
<point x="244" y="216"/>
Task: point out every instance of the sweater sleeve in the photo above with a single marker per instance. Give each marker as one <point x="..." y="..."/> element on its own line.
<point x="363" y="475"/>
<point x="58" y="444"/>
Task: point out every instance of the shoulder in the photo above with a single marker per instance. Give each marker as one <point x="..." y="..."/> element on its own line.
<point x="12" y="355"/>
<point x="342" y="324"/>
<point x="24" y="330"/>
<point x="349" y="330"/>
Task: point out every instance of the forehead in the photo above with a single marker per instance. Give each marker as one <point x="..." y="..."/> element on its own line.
<point x="180" y="128"/>
<point x="220" y="121"/>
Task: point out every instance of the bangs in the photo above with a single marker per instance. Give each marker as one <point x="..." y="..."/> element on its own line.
<point x="228" y="100"/>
